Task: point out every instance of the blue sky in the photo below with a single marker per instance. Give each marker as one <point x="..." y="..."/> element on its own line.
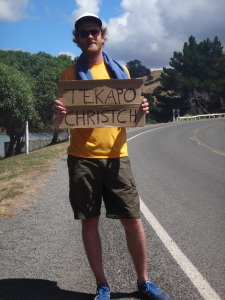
<point x="44" y="26"/>
<point x="147" y="30"/>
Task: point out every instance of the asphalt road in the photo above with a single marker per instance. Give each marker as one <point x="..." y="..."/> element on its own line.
<point x="180" y="173"/>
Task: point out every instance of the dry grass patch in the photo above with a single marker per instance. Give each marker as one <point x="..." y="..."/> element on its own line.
<point x="154" y="82"/>
<point x="22" y="175"/>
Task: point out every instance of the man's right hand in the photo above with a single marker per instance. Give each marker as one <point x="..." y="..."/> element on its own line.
<point x="60" y="109"/>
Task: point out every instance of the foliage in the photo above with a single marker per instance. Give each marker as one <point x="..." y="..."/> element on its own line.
<point x="195" y="81"/>
<point x="28" y="88"/>
<point x="16" y="105"/>
<point x="137" y="70"/>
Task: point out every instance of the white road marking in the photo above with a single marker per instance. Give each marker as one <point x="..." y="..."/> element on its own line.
<point x="201" y="284"/>
<point x="219" y="153"/>
<point x="189" y="269"/>
<point x="131" y="138"/>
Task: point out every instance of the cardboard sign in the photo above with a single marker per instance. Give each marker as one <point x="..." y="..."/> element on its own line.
<point x="101" y="103"/>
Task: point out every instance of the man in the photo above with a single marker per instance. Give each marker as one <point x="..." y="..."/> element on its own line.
<point x="99" y="166"/>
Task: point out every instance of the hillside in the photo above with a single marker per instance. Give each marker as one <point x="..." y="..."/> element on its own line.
<point x="153" y="83"/>
<point x="150" y="85"/>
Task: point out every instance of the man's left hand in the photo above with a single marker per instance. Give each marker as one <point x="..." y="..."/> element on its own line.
<point x="145" y="106"/>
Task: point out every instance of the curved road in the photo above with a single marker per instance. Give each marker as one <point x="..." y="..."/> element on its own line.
<point x="184" y="188"/>
<point x="180" y="173"/>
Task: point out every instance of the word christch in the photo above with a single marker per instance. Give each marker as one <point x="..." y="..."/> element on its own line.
<point x="101" y="103"/>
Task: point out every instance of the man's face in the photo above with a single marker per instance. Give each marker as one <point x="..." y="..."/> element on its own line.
<point x="90" y="44"/>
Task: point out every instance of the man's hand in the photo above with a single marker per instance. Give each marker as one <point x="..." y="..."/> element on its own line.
<point x="60" y="109"/>
<point x="145" y="106"/>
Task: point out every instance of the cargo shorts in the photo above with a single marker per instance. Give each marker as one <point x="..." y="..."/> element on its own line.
<point x="92" y="180"/>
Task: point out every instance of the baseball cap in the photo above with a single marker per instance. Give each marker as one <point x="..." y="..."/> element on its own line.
<point x="87" y="17"/>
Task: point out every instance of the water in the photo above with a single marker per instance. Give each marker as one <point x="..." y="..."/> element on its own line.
<point x="5" y="138"/>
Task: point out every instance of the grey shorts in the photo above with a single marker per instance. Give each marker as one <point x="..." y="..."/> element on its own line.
<point x="111" y="179"/>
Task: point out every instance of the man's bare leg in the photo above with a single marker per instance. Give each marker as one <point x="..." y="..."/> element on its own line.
<point x="136" y="243"/>
<point x="93" y="248"/>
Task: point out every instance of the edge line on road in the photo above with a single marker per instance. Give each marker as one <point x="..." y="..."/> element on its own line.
<point x="129" y="139"/>
<point x="204" y="288"/>
<point x="201" y="284"/>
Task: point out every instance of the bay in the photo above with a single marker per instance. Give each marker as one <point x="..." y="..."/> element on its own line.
<point x="32" y="136"/>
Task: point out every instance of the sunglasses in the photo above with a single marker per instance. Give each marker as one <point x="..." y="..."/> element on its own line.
<point x="86" y="33"/>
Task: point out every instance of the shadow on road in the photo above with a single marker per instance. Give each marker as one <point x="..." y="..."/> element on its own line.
<point x="38" y="289"/>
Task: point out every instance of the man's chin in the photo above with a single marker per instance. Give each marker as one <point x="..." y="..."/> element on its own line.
<point x="93" y="47"/>
<point x="92" y="51"/>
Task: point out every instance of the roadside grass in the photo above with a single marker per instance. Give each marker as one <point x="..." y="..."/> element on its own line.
<point x="17" y="173"/>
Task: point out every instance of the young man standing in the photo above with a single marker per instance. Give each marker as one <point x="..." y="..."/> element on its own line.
<point x="99" y="166"/>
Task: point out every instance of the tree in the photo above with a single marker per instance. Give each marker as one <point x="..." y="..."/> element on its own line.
<point x="45" y="91"/>
<point x="20" y="60"/>
<point x="16" y="105"/>
<point x="42" y="72"/>
<point x="30" y="80"/>
<point x="137" y="70"/>
<point x="46" y="84"/>
<point x="196" y="80"/>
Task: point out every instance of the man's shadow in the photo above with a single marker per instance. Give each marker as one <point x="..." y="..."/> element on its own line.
<point x="38" y="289"/>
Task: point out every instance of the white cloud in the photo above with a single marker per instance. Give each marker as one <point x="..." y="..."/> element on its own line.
<point x="12" y="10"/>
<point x="68" y="53"/>
<point x="83" y="6"/>
<point x="151" y="30"/>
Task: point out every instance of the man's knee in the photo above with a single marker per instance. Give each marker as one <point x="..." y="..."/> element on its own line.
<point x="90" y="223"/>
<point x="132" y="224"/>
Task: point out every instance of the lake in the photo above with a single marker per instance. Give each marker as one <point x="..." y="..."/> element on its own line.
<point x="5" y="138"/>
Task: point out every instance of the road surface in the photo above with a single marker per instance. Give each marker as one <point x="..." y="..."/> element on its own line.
<point x="180" y="173"/>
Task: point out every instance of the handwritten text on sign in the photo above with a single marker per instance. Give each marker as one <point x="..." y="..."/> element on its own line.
<point x="101" y="103"/>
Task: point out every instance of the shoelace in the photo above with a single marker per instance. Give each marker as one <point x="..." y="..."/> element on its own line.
<point x="151" y="287"/>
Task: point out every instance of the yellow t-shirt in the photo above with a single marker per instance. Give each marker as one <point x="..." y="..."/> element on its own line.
<point x="109" y="142"/>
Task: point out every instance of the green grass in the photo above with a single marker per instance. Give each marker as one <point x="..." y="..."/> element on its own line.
<point x="7" y="193"/>
<point x="17" y="171"/>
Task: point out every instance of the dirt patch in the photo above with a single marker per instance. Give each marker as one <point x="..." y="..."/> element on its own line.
<point x="30" y="183"/>
<point x="21" y="176"/>
<point x="12" y="205"/>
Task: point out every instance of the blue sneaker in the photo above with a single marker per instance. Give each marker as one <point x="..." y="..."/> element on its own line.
<point x="151" y="291"/>
<point x="103" y="292"/>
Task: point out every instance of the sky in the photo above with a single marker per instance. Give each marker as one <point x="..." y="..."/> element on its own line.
<point x="146" y="30"/>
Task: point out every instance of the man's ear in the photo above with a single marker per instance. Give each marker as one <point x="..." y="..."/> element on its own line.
<point x="103" y="38"/>
<point x="77" y="40"/>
